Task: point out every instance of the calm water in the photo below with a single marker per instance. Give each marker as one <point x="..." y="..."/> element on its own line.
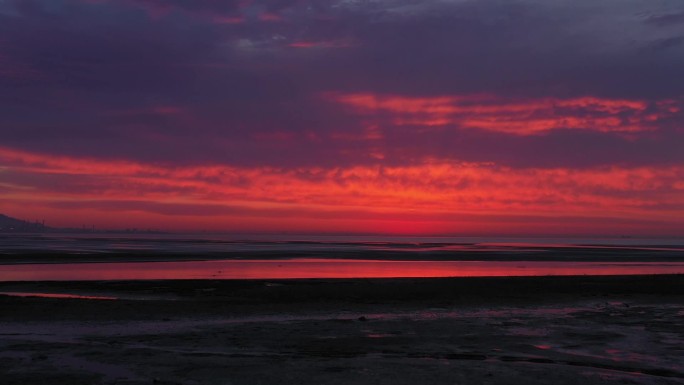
<point x="322" y="268"/>
<point x="185" y="256"/>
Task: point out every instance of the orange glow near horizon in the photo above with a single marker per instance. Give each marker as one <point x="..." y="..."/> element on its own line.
<point x="438" y="118"/>
<point x="434" y="197"/>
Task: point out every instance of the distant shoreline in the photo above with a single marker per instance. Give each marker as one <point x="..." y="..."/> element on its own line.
<point x="538" y="254"/>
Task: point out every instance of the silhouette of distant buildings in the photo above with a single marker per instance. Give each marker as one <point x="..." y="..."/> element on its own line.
<point x="13" y="225"/>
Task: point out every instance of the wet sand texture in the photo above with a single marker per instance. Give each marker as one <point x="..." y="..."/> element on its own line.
<point x="564" y="330"/>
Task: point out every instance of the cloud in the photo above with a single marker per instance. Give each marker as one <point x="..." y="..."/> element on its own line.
<point x="308" y="90"/>
<point x="320" y="44"/>
<point x="667" y="19"/>
<point x="514" y="116"/>
<point x="667" y="43"/>
<point x="432" y="191"/>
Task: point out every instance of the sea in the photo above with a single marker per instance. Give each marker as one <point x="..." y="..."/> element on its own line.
<point x="135" y="256"/>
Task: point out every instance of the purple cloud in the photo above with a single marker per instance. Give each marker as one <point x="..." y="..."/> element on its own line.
<point x="163" y="81"/>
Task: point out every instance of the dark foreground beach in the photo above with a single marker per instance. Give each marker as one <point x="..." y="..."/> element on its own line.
<point x="517" y="330"/>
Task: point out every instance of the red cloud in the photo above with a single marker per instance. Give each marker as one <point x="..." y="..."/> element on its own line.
<point x="222" y="19"/>
<point x="528" y="117"/>
<point x="433" y="195"/>
<point x="321" y="44"/>
<point x="268" y="16"/>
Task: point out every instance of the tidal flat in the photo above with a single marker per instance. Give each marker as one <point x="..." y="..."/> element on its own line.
<point x="532" y="330"/>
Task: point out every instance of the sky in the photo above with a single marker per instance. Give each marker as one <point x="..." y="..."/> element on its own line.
<point x="435" y="117"/>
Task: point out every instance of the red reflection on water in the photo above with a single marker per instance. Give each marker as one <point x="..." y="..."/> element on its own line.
<point x="323" y="268"/>
<point x="55" y="295"/>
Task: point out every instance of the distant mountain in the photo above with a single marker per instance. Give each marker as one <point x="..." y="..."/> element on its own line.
<point x="14" y="225"/>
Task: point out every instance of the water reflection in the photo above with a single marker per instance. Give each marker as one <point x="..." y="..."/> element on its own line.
<point x="323" y="268"/>
<point x="55" y="295"/>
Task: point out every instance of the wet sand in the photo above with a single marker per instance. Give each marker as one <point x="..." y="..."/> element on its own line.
<point x="526" y="330"/>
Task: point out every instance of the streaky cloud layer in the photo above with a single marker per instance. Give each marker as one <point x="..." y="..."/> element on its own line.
<point x="437" y="194"/>
<point x="519" y="117"/>
<point x="436" y="117"/>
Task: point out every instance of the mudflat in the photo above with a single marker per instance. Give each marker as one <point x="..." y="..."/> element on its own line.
<point x="516" y="330"/>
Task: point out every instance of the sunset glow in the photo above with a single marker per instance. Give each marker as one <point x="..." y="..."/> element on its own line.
<point x="514" y="117"/>
<point x="281" y="117"/>
<point x="430" y="197"/>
